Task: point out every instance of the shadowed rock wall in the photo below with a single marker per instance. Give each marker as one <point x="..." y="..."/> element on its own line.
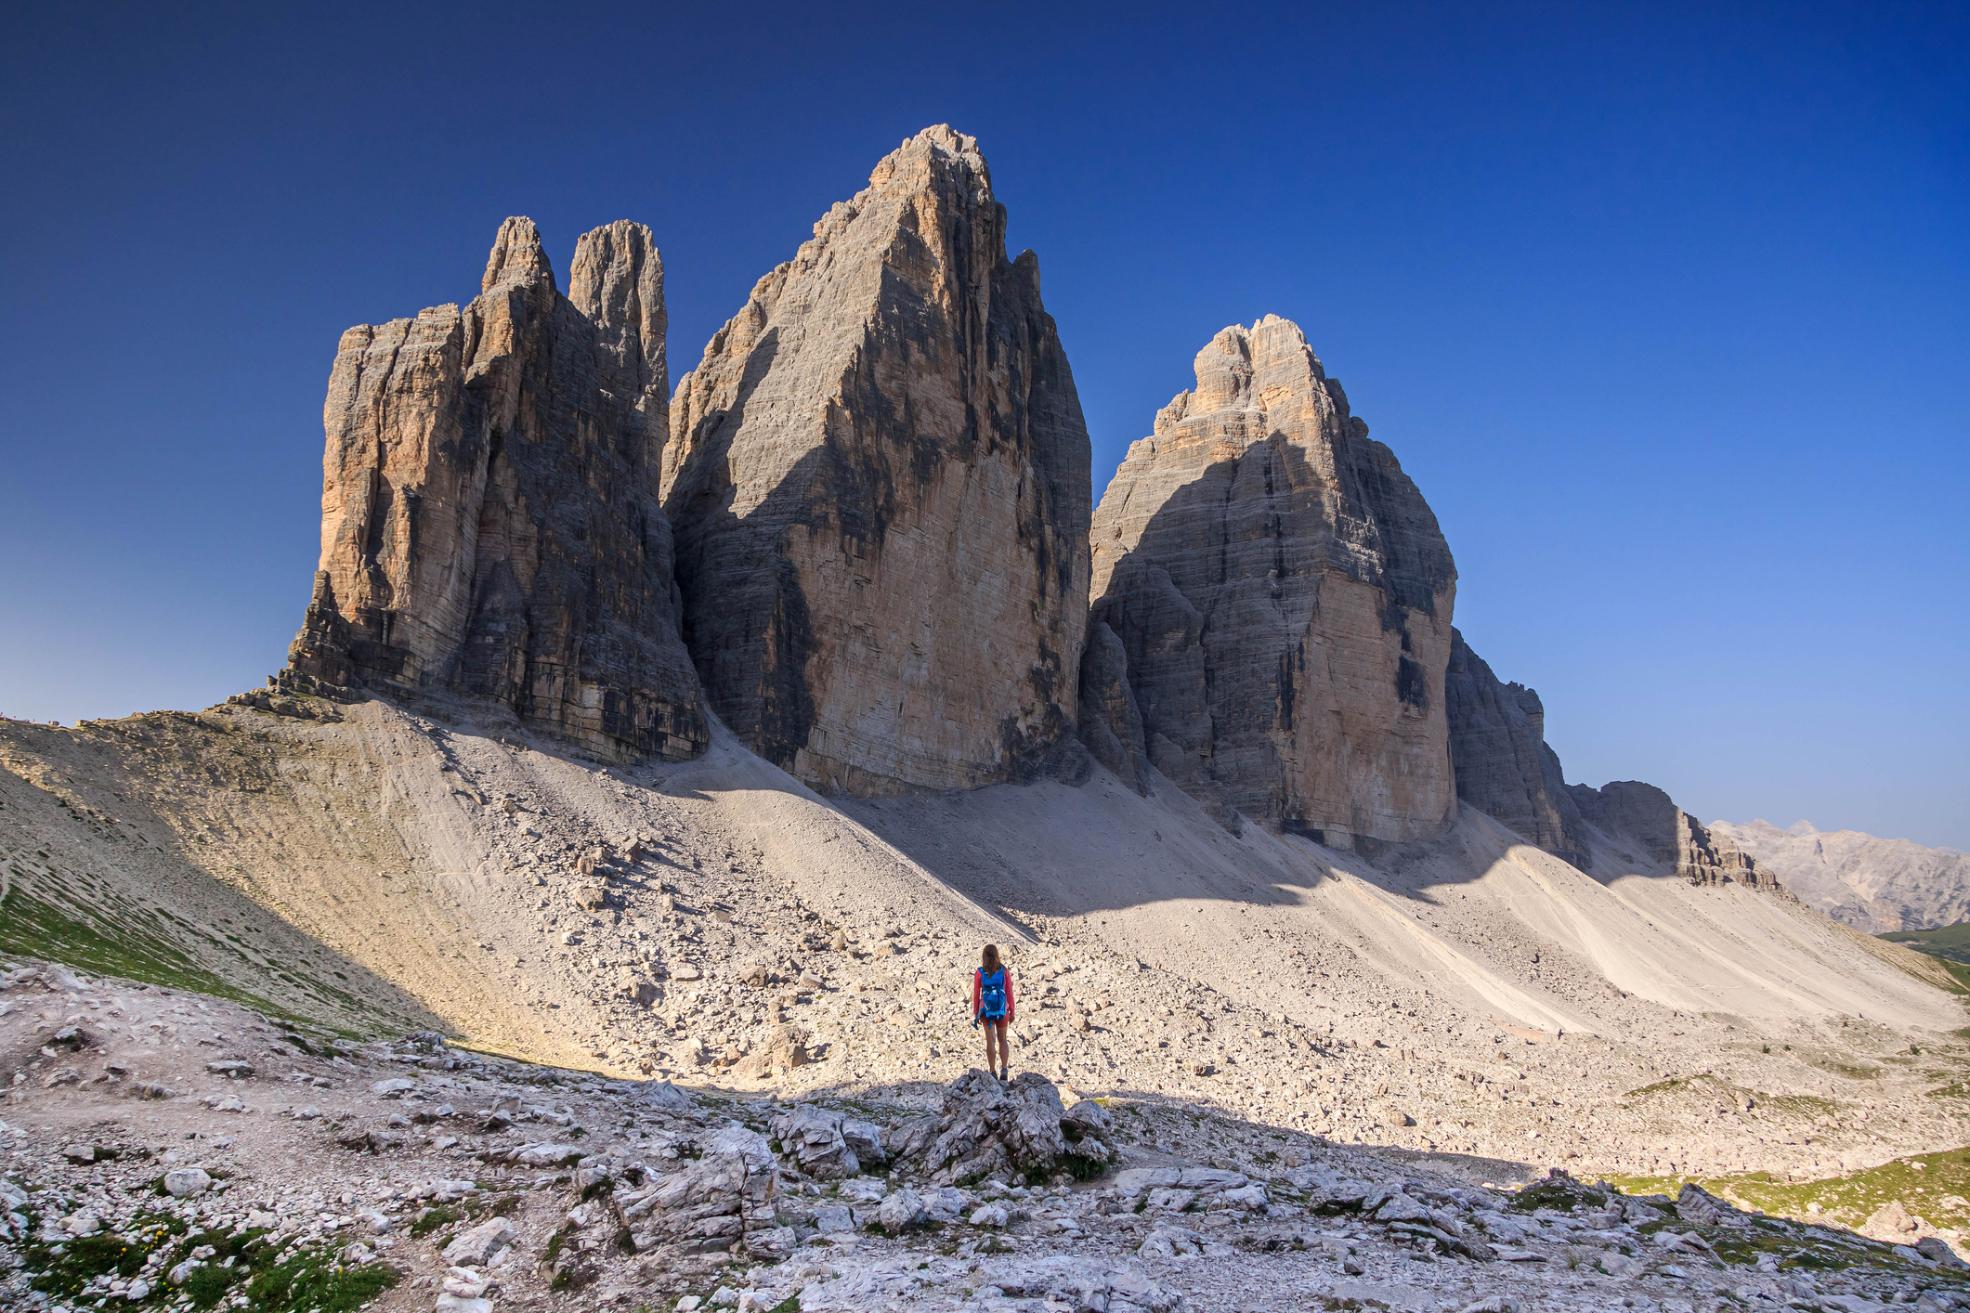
<point x="490" y="520"/>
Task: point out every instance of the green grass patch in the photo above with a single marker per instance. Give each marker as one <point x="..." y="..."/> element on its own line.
<point x="68" y="1268"/>
<point x="208" y="1286"/>
<point x="64" y="1267"/>
<point x="1708" y="1085"/>
<point x="1950" y="942"/>
<point x="1841" y="1066"/>
<point x="431" y="1219"/>
<point x="105" y="938"/>
<point x="274" y="1277"/>
<point x="316" y="1281"/>
<point x="1660" y="1087"/>
<point x="1934" y="1186"/>
<point x="34" y="928"/>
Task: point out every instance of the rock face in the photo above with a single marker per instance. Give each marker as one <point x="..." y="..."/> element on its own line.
<point x="1646" y="819"/>
<point x="1282" y="595"/>
<point x="490" y="518"/>
<point x="880" y="494"/>
<point x="1111" y="725"/>
<point x="1871" y="883"/>
<point x="1503" y="766"/>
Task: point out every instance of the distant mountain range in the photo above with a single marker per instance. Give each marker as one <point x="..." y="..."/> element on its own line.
<point x="1870" y="883"/>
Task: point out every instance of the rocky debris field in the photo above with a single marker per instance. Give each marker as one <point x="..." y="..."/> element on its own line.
<point x="711" y="922"/>
<point x="161" y="1149"/>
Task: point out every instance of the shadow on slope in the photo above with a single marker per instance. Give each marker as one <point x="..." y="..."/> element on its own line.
<point x="94" y="877"/>
<point x="1478" y="918"/>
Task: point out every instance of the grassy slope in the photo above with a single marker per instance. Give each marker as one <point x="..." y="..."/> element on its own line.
<point x="1934" y="1186"/>
<point x="1950" y="942"/>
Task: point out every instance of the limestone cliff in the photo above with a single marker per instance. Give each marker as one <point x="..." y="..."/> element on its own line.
<point x="1110" y="723"/>
<point x="1283" y="597"/>
<point x="1651" y="824"/>
<point x="880" y="490"/>
<point x="490" y="517"/>
<point x="1503" y="766"/>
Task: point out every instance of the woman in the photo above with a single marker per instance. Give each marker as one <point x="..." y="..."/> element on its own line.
<point x="991" y="1003"/>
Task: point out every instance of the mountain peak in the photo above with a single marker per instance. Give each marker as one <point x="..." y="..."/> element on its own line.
<point x="891" y="422"/>
<point x="1282" y="594"/>
<point x="517" y="256"/>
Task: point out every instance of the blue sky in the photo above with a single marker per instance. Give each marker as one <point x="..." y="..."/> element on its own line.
<point x="1664" y="308"/>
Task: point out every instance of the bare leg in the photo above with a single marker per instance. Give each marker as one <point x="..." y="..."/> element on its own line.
<point x="1005" y="1054"/>
<point x="986" y="1026"/>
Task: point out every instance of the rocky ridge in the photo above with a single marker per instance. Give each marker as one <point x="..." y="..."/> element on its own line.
<point x="490" y="521"/>
<point x="449" y="1179"/>
<point x="1663" y="833"/>
<point x="1504" y="767"/>
<point x="1282" y="597"/>
<point x="879" y="486"/>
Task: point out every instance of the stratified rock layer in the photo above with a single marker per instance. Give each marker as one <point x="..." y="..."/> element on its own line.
<point x="1649" y="821"/>
<point x="490" y="519"/>
<point x="1110" y="724"/>
<point x="1283" y="597"/>
<point x="880" y="494"/>
<point x="1503" y="766"/>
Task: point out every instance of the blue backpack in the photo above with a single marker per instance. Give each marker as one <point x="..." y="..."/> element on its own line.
<point x="992" y="994"/>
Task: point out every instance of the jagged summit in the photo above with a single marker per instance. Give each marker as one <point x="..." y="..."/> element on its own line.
<point x="879" y="484"/>
<point x="933" y="146"/>
<point x="490" y="522"/>
<point x="617" y="280"/>
<point x="1282" y="595"/>
<point x="517" y="256"/>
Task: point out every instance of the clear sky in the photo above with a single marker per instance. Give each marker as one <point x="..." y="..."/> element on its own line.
<point x="1665" y="308"/>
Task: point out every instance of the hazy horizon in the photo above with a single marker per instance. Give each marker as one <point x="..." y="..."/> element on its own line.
<point x="1662" y="311"/>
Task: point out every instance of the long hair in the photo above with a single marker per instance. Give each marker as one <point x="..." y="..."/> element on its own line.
<point x="991" y="960"/>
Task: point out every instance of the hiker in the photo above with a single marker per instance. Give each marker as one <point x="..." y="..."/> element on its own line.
<point x="991" y="1003"/>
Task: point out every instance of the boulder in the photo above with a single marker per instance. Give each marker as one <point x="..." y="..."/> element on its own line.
<point x="1937" y="1250"/>
<point x="1698" y="1207"/>
<point x="479" y="1245"/>
<point x="186" y="1182"/>
<point x="902" y="1210"/>
<point x="1891" y="1221"/>
<point x="490" y="518"/>
<point x="827" y="1145"/>
<point x="988" y="1128"/>
<point x="1168" y="1242"/>
<point x="712" y="1203"/>
<point x="1282" y="595"/>
<point x="879" y="485"/>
